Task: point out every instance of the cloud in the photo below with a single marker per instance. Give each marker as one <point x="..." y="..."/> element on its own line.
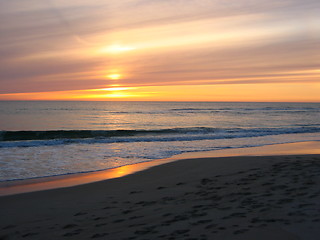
<point x="54" y="45"/>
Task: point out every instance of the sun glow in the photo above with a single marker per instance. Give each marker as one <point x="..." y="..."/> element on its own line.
<point x="114" y="49"/>
<point x="117" y="88"/>
<point x="114" y="76"/>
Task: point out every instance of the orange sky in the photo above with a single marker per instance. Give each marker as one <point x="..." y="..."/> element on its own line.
<point x="159" y="50"/>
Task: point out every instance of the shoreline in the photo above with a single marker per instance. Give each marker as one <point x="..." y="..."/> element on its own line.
<point x="235" y="198"/>
<point x="70" y="180"/>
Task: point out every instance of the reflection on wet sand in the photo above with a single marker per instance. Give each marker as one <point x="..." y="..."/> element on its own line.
<point x="37" y="184"/>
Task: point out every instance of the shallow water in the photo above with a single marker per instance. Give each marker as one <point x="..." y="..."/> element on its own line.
<point x="72" y="137"/>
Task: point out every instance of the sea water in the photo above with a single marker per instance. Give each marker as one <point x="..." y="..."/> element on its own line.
<point x="42" y="138"/>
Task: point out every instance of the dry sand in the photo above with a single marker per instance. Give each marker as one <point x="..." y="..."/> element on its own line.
<point x="248" y="197"/>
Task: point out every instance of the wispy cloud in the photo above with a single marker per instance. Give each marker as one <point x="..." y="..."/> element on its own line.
<point x="56" y="45"/>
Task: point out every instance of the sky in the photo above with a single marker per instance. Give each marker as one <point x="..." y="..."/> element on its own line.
<point x="160" y="50"/>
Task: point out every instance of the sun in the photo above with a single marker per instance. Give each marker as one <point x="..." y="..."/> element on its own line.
<point x="114" y="76"/>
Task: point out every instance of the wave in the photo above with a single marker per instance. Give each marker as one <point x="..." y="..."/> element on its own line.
<point x="74" y="134"/>
<point x="59" y="137"/>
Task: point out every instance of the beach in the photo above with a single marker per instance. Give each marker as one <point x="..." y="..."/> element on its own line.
<point x="159" y="120"/>
<point x="224" y="197"/>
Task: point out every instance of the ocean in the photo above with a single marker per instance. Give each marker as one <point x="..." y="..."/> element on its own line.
<point x="42" y="138"/>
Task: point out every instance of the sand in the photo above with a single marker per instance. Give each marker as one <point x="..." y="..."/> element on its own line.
<point x="238" y="197"/>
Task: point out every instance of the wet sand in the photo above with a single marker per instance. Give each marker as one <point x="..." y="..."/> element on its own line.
<point x="238" y="197"/>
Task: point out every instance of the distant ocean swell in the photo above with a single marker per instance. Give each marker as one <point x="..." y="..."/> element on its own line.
<point x="277" y="109"/>
<point x="58" y="137"/>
